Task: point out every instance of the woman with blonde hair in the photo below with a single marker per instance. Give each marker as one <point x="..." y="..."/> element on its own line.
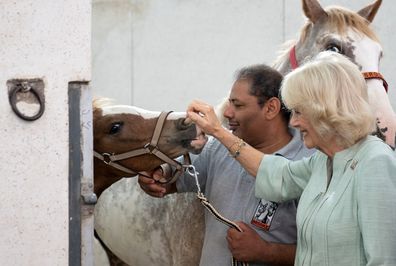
<point x="347" y="189"/>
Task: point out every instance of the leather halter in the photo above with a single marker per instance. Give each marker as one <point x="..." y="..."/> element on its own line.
<point x="366" y="75"/>
<point x="149" y="148"/>
<point x="376" y="75"/>
<point x="293" y="58"/>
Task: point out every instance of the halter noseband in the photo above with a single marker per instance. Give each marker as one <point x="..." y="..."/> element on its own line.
<point x="366" y="75"/>
<point x="149" y="148"/>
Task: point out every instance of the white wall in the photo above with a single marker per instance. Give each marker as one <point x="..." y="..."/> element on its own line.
<point x="49" y="40"/>
<point x="160" y="54"/>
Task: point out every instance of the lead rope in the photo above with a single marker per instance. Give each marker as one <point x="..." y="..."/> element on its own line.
<point x="205" y="202"/>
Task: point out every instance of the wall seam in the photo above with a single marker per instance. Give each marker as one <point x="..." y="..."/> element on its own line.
<point x="283" y="21"/>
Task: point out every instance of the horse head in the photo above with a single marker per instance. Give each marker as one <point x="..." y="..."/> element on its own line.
<point x="349" y="33"/>
<point x="124" y="140"/>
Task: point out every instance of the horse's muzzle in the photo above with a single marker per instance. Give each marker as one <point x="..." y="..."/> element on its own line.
<point x="199" y="142"/>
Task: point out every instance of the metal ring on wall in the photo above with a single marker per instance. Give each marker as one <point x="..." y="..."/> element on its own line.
<point x="26" y="87"/>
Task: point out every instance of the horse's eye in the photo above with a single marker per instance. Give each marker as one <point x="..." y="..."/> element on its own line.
<point x="333" y="48"/>
<point x="115" y="128"/>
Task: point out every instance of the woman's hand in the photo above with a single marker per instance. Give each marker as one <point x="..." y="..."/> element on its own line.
<point x="204" y="116"/>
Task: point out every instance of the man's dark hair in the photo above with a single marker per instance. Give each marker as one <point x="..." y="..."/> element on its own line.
<point x="265" y="84"/>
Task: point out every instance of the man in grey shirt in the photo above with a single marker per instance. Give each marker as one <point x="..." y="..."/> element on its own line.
<point x="256" y="115"/>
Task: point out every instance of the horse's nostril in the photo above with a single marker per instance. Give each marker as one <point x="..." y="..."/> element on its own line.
<point x="187" y="121"/>
<point x="184" y="123"/>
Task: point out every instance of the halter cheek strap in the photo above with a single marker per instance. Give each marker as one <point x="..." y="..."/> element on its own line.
<point x="367" y="75"/>
<point x="293" y="58"/>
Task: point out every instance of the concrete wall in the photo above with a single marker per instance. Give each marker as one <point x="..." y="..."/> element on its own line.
<point x="49" y="40"/>
<point x="161" y="54"/>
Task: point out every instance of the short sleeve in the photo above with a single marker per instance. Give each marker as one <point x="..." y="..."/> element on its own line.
<point x="279" y="179"/>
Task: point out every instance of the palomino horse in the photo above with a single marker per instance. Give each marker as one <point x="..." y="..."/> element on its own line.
<point x="128" y="140"/>
<point x="333" y="28"/>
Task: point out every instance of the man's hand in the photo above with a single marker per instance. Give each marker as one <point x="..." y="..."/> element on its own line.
<point x="154" y="188"/>
<point x="247" y="245"/>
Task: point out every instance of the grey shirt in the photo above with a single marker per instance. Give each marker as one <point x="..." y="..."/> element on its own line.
<point x="230" y="189"/>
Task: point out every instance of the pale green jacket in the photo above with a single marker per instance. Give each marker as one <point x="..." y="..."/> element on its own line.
<point x="350" y="222"/>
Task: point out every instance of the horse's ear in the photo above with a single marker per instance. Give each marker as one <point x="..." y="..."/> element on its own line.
<point x="313" y="10"/>
<point x="370" y="11"/>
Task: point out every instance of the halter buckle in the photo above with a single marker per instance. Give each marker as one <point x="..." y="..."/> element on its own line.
<point x="150" y="147"/>
<point x="106" y="158"/>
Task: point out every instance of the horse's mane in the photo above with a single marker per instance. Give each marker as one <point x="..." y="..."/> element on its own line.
<point x="283" y="54"/>
<point x="339" y="20"/>
<point x="101" y="102"/>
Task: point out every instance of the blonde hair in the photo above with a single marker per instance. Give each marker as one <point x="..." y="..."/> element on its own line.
<point x="332" y="93"/>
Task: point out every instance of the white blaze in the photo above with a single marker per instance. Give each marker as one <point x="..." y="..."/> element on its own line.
<point x="126" y="109"/>
<point x="368" y="54"/>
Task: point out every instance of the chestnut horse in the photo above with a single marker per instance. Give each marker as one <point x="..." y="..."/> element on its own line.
<point x="333" y="28"/>
<point x="125" y="143"/>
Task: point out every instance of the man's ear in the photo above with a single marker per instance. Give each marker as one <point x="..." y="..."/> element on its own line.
<point x="272" y="108"/>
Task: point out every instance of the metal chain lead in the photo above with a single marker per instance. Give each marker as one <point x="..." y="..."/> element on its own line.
<point x="193" y="172"/>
